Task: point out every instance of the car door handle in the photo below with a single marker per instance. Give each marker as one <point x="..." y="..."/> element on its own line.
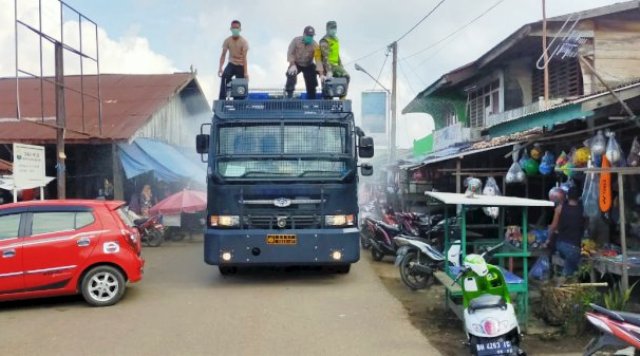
<point x="83" y="242"/>
<point x="8" y="253"/>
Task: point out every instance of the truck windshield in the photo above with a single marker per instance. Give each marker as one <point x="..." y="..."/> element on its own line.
<point x="283" y="151"/>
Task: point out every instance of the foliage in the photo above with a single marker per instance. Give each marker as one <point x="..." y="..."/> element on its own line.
<point x="617" y="298"/>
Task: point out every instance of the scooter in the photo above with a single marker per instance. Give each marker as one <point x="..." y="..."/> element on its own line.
<point x="617" y="329"/>
<point x="489" y="317"/>
<point x="382" y="243"/>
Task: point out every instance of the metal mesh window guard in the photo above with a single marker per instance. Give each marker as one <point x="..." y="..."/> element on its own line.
<point x="298" y="139"/>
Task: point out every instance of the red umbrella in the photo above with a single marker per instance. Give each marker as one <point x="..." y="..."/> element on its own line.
<point x="186" y="201"/>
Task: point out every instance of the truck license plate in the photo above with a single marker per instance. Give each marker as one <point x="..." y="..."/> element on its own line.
<point x="282" y="239"/>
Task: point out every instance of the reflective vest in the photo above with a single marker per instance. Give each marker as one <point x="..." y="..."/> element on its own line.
<point x="334" y="50"/>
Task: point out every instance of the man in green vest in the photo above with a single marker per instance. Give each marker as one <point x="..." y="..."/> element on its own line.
<point x="330" y="49"/>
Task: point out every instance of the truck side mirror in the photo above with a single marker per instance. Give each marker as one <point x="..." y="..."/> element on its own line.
<point x="365" y="148"/>
<point x="366" y="170"/>
<point x="202" y="143"/>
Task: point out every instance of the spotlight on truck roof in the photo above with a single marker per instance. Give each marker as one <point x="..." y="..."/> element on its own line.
<point x="238" y="88"/>
<point x="334" y="88"/>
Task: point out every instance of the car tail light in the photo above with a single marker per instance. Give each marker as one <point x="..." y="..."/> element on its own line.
<point x="133" y="238"/>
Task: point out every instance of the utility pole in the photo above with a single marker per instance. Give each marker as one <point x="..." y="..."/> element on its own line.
<point x="546" y="54"/>
<point x="60" y="122"/>
<point x="392" y="150"/>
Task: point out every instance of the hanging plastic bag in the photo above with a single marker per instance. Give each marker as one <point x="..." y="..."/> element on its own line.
<point x="515" y="174"/>
<point x="597" y="144"/>
<point x="524" y="159"/>
<point x="541" y="269"/>
<point x="562" y="159"/>
<point x="491" y="189"/>
<point x="604" y="199"/>
<point x="613" y="153"/>
<point x="474" y="186"/>
<point x="581" y="157"/>
<point x="536" y="151"/>
<point x="633" y="160"/>
<point x="547" y="164"/>
<point x="590" y="195"/>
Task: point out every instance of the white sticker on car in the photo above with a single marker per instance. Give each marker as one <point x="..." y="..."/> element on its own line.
<point x="111" y="247"/>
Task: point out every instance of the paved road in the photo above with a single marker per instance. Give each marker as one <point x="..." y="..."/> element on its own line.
<point x="184" y="307"/>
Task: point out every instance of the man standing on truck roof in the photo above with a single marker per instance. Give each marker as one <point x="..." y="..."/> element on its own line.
<point x="237" y="67"/>
<point x="330" y="50"/>
<point x="304" y="56"/>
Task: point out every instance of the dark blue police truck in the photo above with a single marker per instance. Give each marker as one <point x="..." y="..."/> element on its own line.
<point x="282" y="183"/>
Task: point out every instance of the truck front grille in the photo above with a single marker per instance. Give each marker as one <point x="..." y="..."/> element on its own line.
<point x="271" y="222"/>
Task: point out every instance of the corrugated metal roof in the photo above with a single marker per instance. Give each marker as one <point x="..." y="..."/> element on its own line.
<point x="128" y="102"/>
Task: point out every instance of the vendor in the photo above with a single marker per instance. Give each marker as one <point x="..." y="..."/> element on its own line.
<point x="567" y="230"/>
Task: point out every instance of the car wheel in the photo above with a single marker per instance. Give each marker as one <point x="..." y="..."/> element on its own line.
<point x="376" y="255"/>
<point x="412" y="279"/>
<point x="103" y="286"/>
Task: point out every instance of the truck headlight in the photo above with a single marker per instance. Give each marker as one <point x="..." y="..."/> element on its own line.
<point x="339" y="220"/>
<point x="224" y="220"/>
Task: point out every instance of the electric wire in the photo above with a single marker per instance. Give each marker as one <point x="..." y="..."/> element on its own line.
<point x="484" y="13"/>
<point x="407" y="79"/>
<point x="375" y="84"/>
<point x="421" y="20"/>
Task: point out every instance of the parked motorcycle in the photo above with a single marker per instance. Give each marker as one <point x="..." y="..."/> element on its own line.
<point x="151" y="230"/>
<point x="382" y="243"/>
<point x="489" y="317"/>
<point x="617" y="329"/>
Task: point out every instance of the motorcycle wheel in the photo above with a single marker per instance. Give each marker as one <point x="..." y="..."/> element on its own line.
<point x="413" y="280"/>
<point x="154" y="239"/>
<point x="376" y="255"/>
<point x="364" y="242"/>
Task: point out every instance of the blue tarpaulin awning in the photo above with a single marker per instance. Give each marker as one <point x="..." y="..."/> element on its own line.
<point x="165" y="161"/>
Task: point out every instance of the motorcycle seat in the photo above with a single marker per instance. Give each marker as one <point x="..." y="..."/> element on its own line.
<point x="389" y="228"/>
<point x="630" y="318"/>
<point x="487" y="301"/>
<point x="139" y="222"/>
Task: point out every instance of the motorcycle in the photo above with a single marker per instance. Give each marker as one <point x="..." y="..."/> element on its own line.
<point x="151" y="230"/>
<point x="617" y="329"/>
<point x="489" y="317"/>
<point x="382" y="243"/>
<point x="418" y="259"/>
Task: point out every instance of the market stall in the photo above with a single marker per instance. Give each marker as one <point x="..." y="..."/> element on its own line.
<point x="517" y="283"/>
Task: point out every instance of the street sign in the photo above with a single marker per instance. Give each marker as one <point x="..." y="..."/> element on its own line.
<point x="374" y="112"/>
<point x="28" y="166"/>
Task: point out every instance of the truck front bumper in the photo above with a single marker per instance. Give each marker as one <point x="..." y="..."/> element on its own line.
<point x="312" y="247"/>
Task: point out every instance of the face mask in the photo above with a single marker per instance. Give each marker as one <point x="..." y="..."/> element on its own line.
<point x="235" y="32"/>
<point x="307" y="39"/>
<point x="332" y="32"/>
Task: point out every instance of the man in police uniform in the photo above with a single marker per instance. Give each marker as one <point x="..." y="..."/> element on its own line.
<point x="330" y="50"/>
<point x="304" y="56"/>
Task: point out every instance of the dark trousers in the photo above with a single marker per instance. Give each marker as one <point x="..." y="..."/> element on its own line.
<point x="310" y="81"/>
<point x="230" y="71"/>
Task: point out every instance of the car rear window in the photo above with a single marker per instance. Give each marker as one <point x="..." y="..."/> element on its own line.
<point x="48" y="222"/>
<point x="9" y="226"/>
<point x="124" y="216"/>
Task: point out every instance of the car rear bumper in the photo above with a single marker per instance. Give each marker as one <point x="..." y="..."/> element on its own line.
<point x="135" y="270"/>
<point x="312" y="247"/>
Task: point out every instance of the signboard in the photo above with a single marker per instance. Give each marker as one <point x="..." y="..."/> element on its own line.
<point x="450" y="135"/>
<point x="28" y="166"/>
<point x="374" y="112"/>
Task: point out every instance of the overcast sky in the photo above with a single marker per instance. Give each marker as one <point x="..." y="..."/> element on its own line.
<point x="160" y="36"/>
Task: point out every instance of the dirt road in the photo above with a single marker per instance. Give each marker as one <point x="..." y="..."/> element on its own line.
<point x="184" y="307"/>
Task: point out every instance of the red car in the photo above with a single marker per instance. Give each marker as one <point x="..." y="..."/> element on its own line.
<point x="61" y="247"/>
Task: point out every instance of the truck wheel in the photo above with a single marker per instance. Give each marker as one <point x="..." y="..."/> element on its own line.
<point x="103" y="286"/>
<point x="343" y="269"/>
<point x="227" y="270"/>
<point x="376" y="255"/>
<point x="412" y="279"/>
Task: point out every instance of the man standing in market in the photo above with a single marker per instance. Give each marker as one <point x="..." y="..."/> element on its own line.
<point x="304" y="56"/>
<point x="330" y="50"/>
<point x="566" y="231"/>
<point x="237" y="47"/>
